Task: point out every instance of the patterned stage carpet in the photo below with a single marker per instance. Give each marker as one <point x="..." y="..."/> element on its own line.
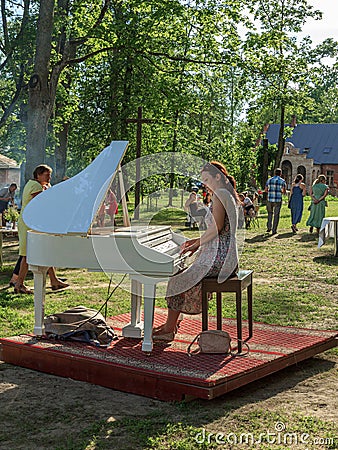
<point x="272" y="348"/>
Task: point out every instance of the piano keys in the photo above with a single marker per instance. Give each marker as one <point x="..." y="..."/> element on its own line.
<point x="62" y="235"/>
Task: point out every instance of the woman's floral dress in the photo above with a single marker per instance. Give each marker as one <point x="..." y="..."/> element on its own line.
<point x="184" y="291"/>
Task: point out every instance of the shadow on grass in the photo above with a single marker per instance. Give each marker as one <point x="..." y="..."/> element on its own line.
<point x="278" y="382"/>
<point x="258" y="238"/>
<point x="327" y="260"/>
<point x="15" y="301"/>
<point x="284" y="235"/>
<point x="5" y="288"/>
<point x="309" y="237"/>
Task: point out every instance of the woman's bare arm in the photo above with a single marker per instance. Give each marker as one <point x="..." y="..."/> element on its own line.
<point x="218" y="211"/>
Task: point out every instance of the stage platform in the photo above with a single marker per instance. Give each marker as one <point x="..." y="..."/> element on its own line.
<point x="169" y="373"/>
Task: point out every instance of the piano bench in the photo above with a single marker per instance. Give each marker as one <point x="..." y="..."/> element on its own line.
<point x="235" y="284"/>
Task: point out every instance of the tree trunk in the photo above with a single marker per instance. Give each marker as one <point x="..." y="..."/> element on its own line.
<point x="61" y="153"/>
<point x="281" y="140"/>
<point x="172" y="175"/>
<point x="265" y="165"/>
<point x="125" y="107"/>
<point x="40" y="103"/>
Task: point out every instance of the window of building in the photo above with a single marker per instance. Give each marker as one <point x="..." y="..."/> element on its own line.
<point x="327" y="150"/>
<point x="329" y="177"/>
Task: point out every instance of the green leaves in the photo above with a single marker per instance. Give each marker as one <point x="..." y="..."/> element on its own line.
<point x="187" y="63"/>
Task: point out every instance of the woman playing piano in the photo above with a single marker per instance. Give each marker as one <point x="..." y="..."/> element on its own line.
<point x="41" y="182"/>
<point x="217" y="250"/>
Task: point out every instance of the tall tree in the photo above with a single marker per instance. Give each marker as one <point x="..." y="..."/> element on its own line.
<point x="15" y="45"/>
<point x="166" y="52"/>
<point x="323" y="85"/>
<point x="274" y="56"/>
<point x="41" y="91"/>
<point x="48" y="66"/>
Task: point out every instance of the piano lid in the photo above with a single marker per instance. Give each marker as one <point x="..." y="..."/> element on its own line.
<point x="70" y="206"/>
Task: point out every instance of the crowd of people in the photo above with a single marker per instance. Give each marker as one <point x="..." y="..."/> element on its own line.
<point x="276" y="187"/>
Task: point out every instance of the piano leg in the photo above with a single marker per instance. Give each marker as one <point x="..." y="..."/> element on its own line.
<point x="149" y="304"/>
<point x="149" y="291"/>
<point x="135" y="327"/>
<point x="39" y="297"/>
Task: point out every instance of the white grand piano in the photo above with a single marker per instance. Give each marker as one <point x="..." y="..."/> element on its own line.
<point x="63" y="234"/>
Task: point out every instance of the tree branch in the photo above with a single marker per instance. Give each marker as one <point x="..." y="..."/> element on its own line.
<point x="145" y="54"/>
<point x="19" y="86"/>
<point x="4" y="24"/>
<point x="83" y="39"/>
<point x="7" y="48"/>
<point x="181" y="58"/>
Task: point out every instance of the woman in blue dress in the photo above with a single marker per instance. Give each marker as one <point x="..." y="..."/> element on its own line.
<point x="298" y="191"/>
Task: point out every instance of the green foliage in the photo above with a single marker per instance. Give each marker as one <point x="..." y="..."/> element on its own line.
<point x="11" y="214"/>
<point x="280" y="65"/>
<point x="207" y="90"/>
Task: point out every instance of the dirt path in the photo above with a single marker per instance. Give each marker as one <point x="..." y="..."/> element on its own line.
<point x="39" y="410"/>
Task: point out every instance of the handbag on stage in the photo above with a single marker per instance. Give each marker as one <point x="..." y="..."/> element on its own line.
<point x="211" y="341"/>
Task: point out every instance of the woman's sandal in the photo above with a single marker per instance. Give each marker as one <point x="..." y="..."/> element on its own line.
<point x="164" y="336"/>
<point x="59" y="286"/>
<point x="22" y="289"/>
<point x="168" y="337"/>
<point x="13" y="280"/>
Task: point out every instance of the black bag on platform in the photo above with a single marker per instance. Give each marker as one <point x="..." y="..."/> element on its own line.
<point x="80" y="324"/>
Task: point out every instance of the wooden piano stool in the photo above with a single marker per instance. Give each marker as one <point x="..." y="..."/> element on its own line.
<point x="235" y="284"/>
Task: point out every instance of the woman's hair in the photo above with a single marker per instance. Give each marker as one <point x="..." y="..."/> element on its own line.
<point x="41" y="169"/>
<point x="214" y="168"/>
<point x="298" y="178"/>
<point x="320" y="179"/>
<point x="207" y="198"/>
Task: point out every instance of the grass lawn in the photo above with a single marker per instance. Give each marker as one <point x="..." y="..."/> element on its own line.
<point x="295" y="283"/>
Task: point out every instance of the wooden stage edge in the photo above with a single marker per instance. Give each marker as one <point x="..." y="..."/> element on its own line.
<point x="166" y="387"/>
